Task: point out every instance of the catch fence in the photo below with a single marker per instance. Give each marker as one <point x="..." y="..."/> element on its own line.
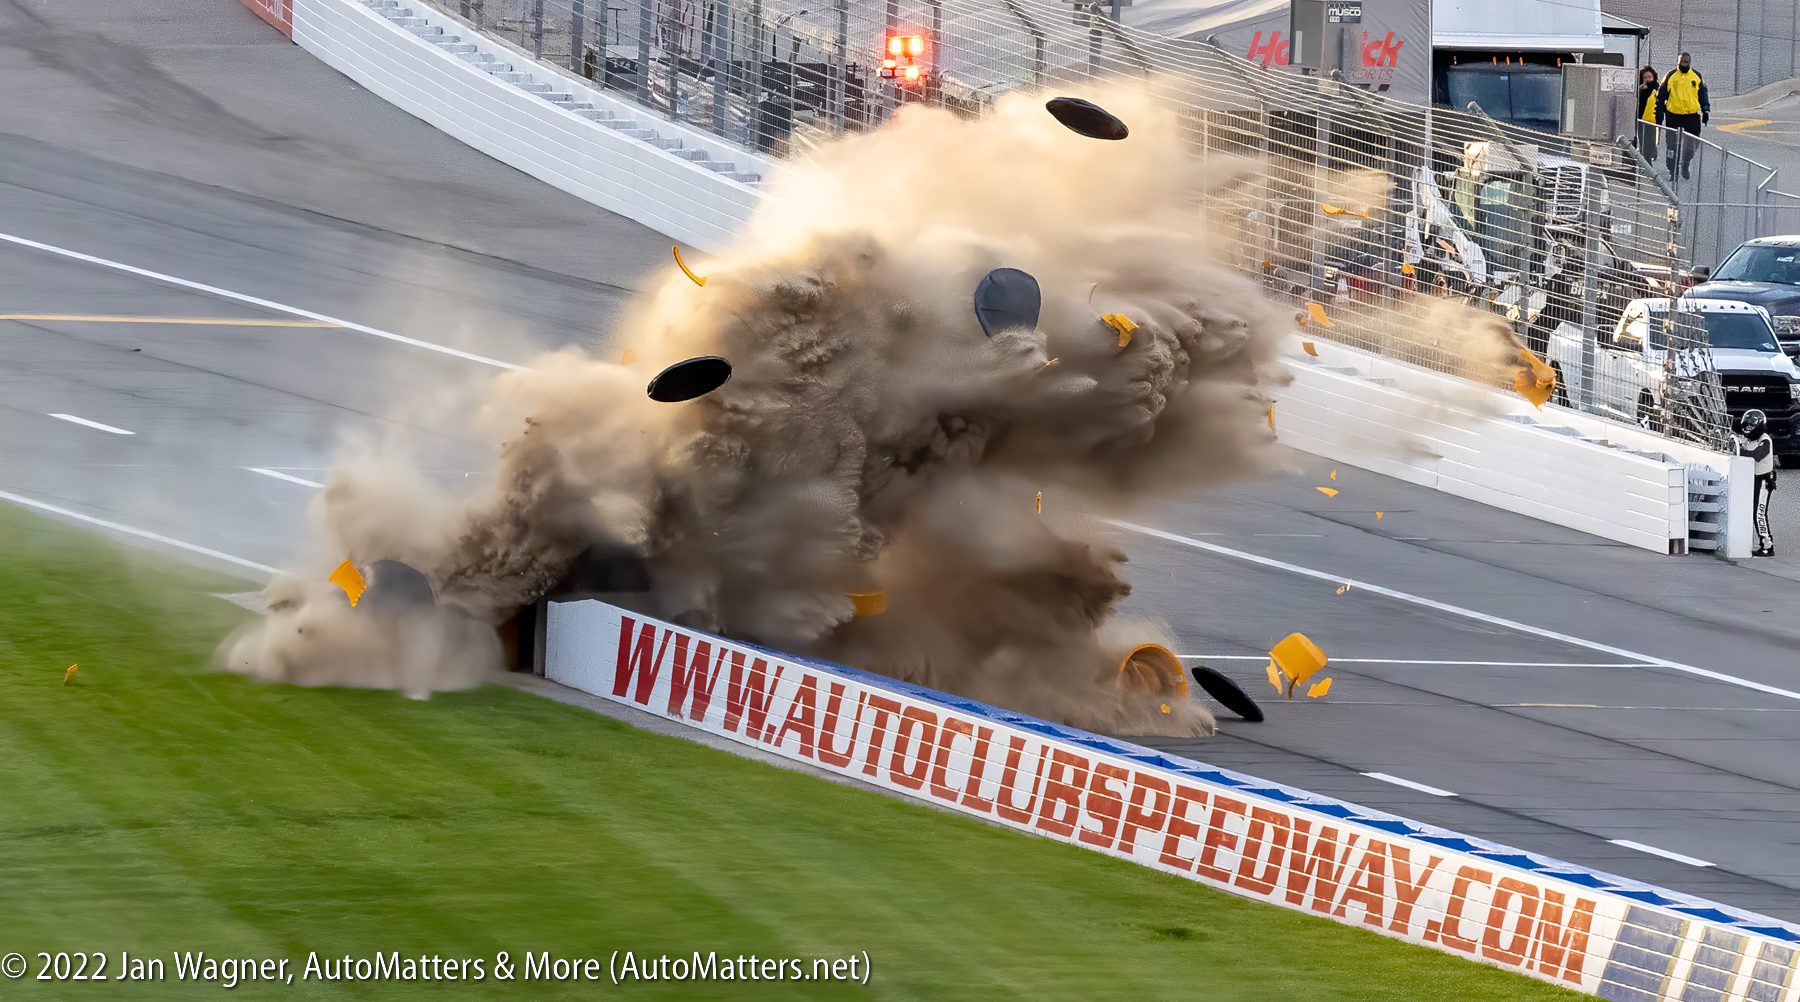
<point x="1369" y="215"/>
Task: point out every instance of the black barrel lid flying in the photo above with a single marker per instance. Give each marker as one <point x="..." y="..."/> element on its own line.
<point x="1086" y="118"/>
<point x="690" y="378"/>
<point x="1005" y="299"/>
<point x="1227" y="693"/>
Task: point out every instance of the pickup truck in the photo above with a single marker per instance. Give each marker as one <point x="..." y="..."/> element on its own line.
<point x="1631" y="380"/>
<point x="1764" y="272"/>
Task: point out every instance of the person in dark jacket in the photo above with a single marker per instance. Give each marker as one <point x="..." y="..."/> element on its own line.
<point x="1649" y="112"/>
<point x="1686" y="107"/>
<point x="1754" y="443"/>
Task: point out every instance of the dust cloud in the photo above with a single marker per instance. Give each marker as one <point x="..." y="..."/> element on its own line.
<point x="871" y="436"/>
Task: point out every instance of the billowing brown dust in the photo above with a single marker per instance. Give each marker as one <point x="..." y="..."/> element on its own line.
<point x="871" y="437"/>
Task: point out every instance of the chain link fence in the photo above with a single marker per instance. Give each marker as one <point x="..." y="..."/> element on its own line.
<point x="1739" y="45"/>
<point x="1372" y="217"/>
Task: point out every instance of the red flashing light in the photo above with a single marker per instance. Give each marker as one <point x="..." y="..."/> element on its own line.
<point x="903" y="51"/>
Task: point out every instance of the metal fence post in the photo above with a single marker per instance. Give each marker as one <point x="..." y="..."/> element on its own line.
<point x="537" y="29"/>
<point x="1589" y="296"/>
<point x="840" y="71"/>
<point x="577" y="22"/>
<point x="646" y="29"/>
<point x="721" y="62"/>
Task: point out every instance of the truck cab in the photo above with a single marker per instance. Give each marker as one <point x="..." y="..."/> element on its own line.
<point x="1634" y="373"/>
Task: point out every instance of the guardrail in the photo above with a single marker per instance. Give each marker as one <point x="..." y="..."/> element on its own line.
<point x="1555" y="921"/>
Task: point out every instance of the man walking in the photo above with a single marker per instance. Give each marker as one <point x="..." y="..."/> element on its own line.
<point x="1685" y="108"/>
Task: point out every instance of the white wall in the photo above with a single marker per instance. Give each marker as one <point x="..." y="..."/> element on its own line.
<point x="1464" y="896"/>
<point x="696" y="206"/>
<point x="1436" y="431"/>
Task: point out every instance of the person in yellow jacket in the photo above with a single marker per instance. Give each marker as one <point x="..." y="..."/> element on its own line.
<point x="1684" y="106"/>
<point x="1648" y="82"/>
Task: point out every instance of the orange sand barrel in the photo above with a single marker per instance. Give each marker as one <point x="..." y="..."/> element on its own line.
<point x="1154" y="669"/>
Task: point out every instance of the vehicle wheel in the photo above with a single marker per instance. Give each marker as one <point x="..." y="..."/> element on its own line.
<point x="1559" y="396"/>
<point x="1649" y="416"/>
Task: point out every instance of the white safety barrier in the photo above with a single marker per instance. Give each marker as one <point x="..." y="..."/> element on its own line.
<point x="1437" y="431"/>
<point x="1562" y="923"/>
<point x="598" y="164"/>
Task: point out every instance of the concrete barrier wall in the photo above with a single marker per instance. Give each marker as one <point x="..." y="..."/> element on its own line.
<point x="1440" y="432"/>
<point x="595" y="163"/>
<point x="1555" y="921"/>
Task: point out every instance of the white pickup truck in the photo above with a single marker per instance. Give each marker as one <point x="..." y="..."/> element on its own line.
<point x="1629" y="375"/>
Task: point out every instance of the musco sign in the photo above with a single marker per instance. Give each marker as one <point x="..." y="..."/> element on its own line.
<point x="1251" y="838"/>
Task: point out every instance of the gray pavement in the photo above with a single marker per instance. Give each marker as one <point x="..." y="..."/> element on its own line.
<point x="227" y="157"/>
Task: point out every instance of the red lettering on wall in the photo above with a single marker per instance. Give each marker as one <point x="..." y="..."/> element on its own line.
<point x="972" y="799"/>
<point x="1381" y="52"/>
<point x="1060" y="806"/>
<point x="635" y="659"/>
<point x="1217" y="836"/>
<point x="1367" y="886"/>
<point x="1511" y="953"/>
<point x="1316" y="864"/>
<point x="1449" y="932"/>
<point x="1180" y="826"/>
<point x="749" y="694"/>
<point x="917" y="728"/>
<point x="1561" y="948"/>
<point x="827" y="754"/>
<point x="883" y="708"/>
<point x="1104" y="805"/>
<point x="801" y="715"/>
<point x="697" y="674"/>
<point x="1148" y="809"/>
<point x="1267" y="829"/>
<point x="1406" y="889"/>
<point x="1004" y="807"/>
<point x="948" y="730"/>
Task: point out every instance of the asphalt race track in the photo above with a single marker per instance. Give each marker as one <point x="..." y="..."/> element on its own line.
<point x="1544" y="688"/>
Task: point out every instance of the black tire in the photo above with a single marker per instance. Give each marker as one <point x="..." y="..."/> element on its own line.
<point x="1560" y="395"/>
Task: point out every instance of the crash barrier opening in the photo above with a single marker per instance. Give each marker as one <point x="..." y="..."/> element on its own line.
<point x="1555" y="921"/>
<point x="1371" y="209"/>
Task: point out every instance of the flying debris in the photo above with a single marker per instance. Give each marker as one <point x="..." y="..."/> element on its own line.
<point x="1319" y="688"/>
<point x="1327" y="491"/>
<point x="347" y="577"/>
<point x="1086" y="118"/>
<point x="1309" y="348"/>
<point x="627" y="357"/>
<point x="1343" y="588"/>
<point x="699" y="280"/>
<point x="69" y="676"/>
<point x="1318" y="315"/>
<point x="1005" y="299"/>
<point x="1228" y="693"/>
<point x="1534" y="380"/>
<point x="1378" y="516"/>
<point x="1296" y="659"/>
<point x="1153" y="668"/>
<point x="690" y="378"/>
<point x="394" y="586"/>
<point x="868" y="603"/>
<point x="1121" y="323"/>
<point x="1332" y="475"/>
<point x="1040" y="502"/>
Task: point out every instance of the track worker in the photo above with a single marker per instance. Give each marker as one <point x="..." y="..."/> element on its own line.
<point x="1686" y="108"/>
<point x="1753" y="441"/>
<point x="1649" y="112"/>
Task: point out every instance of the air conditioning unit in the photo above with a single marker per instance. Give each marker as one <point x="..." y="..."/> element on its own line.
<point x="1599" y="102"/>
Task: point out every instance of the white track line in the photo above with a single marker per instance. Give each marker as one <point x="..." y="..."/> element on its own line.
<point x="84" y="422"/>
<point x="266" y="304"/>
<point x="1654" y="851"/>
<point x="1456" y="610"/>
<point x="1409" y="784"/>
<point x="290" y="478"/>
<point x="1400" y="661"/>
<point x="45" y="506"/>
